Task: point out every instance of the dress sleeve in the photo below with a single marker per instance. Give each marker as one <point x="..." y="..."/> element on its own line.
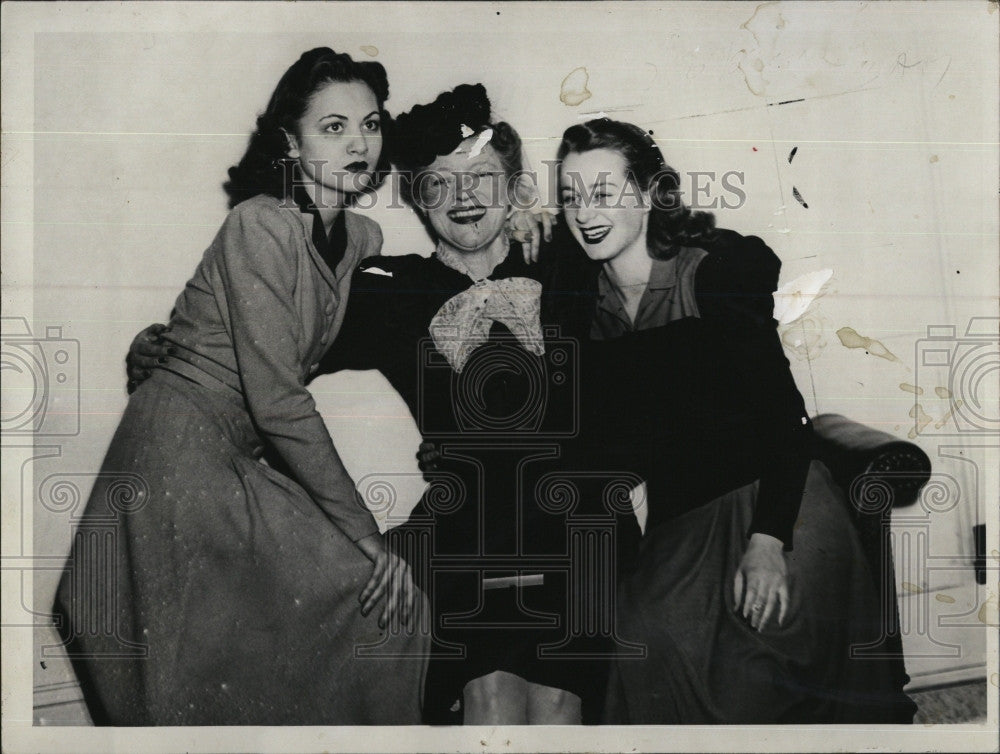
<point x="734" y="284"/>
<point x="257" y="264"/>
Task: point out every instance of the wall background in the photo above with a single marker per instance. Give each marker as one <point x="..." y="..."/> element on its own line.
<point x="893" y="109"/>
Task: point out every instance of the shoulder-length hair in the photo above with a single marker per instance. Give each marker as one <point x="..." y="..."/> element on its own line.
<point x="265" y="167"/>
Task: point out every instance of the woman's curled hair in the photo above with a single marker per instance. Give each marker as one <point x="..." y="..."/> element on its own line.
<point x="671" y="223"/>
<point x="434" y="130"/>
<point x="265" y="167"/>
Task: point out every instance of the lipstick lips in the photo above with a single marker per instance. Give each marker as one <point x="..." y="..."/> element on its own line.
<point x="467" y="215"/>
<point x="357" y="167"/>
<point x="595" y="234"/>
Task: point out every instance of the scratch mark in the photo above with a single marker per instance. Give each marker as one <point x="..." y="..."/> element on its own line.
<point x="798" y="197"/>
<point x="791" y="155"/>
<point x="786" y="102"/>
<point x="917" y="412"/>
<point x="481" y="141"/>
<point x="907" y="387"/>
<point x="574" y="87"/>
<point x="850" y="338"/>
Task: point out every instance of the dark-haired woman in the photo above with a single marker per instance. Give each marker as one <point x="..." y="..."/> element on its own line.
<point x="459" y="335"/>
<point x="687" y="385"/>
<point x="239" y="593"/>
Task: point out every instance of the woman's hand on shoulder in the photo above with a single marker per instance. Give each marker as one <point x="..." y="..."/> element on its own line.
<point x="760" y="587"/>
<point x="148" y="349"/>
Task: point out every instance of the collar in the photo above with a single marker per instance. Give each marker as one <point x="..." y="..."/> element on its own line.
<point x="662" y="277"/>
<point x="453" y="259"/>
<point x="331" y="248"/>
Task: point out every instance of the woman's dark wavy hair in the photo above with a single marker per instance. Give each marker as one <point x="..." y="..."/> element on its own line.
<point x="430" y="131"/>
<point x="671" y="223"/>
<point x="265" y="167"/>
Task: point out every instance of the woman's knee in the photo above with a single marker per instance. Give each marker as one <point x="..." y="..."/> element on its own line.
<point x="499" y="698"/>
<point x="553" y="706"/>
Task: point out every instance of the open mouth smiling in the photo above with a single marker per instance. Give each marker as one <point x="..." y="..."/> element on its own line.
<point x="595" y="234"/>
<point x="357" y="167"/>
<point x="467" y="215"/>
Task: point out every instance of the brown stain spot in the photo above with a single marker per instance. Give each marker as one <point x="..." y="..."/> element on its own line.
<point x="947" y="417"/>
<point x="934" y="158"/>
<point x="995" y="555"/>
<point x="912" y="588"/>
<point x="951" y="96"/>
<point x="944" y="598"/>
<point x="907" y="387"/>
<point x="369" y="50"/>
<point x="798" y="523"/>
<point x="989" y="613"/>
<point x="850" y="338"/>
<point x="942" y="392"/>
<point x="574" y="87"/>
<point x="917" y="412"/>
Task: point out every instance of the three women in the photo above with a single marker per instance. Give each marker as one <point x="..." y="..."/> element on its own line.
<point x="683" y="381"/>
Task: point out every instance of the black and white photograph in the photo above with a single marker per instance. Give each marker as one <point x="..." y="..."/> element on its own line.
<point x="500" y="376"/>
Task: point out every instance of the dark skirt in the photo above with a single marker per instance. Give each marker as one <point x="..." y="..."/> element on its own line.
<point x="528" y="631"/>
<point x="704" y="663"/>
<point x="206" y="588"/>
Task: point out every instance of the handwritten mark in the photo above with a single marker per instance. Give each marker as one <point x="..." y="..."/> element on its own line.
<point x="791" y="155"/>
<point x="369" y="50"/>
<point x="794" y="298"/>
<point x="850" y="338"/>
<point x="574" y="87"/>
<point x="798" y="197"/>
<point x="917" y="412"/>
<point x="906" y="386"/>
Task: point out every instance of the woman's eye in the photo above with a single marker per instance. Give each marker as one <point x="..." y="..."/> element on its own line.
<point x="373" y="126"/>
<point x="334" y="128"/>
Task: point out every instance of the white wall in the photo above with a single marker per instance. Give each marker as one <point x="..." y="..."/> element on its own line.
<point x="894" y="116"/>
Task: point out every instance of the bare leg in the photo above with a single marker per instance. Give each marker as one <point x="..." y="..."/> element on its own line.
<point x="499" y="698"/>
<point x="551" y="706"/>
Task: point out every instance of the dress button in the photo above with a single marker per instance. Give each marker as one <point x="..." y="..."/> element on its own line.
<point x="323" y="338"/>
<point x="330" y="307"/>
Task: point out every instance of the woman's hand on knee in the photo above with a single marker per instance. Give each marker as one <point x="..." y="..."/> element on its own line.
<point x="392" y="578"/>
<point x="760" y="587"/>
<point x="148" y="349"/>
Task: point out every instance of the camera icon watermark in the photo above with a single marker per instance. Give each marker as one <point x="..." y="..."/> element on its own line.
<point x="966" y="372"/>
<point x="502" y="391"/>
<point x="41" y="375"/>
